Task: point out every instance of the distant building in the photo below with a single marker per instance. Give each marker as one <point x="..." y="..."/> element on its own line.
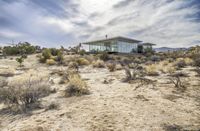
<point x="118" y="45"/>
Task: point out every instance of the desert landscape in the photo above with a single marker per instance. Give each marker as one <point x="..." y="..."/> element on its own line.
<point x="71" y="90"/>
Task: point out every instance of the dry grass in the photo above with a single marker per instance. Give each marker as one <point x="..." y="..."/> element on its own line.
<point x="152" y="70"/>
<point x="98" y="64"/>
<point x="7" y="72"/>
<point x="76" y="86"/>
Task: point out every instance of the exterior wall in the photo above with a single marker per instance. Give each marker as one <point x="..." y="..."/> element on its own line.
<point x="114" y="46"/>
<point x="125" y="47"/>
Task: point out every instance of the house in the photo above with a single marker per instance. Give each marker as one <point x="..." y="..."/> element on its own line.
<point x="118" y="45"/>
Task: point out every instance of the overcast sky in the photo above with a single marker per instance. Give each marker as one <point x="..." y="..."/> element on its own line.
<point x="51" y="23"/>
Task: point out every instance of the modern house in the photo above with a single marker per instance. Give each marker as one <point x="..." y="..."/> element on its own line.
<point x="118" y="45"/>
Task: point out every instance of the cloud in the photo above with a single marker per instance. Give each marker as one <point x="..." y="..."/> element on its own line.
<point x="49" y="23"/>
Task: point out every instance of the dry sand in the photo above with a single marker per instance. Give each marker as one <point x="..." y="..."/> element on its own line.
<point x="115" y="106"/>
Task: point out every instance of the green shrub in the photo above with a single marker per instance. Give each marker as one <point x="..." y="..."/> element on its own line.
<point x="20" y="60"/>
<point x="46" y="53"/>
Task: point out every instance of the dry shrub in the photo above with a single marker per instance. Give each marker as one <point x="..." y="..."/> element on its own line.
<point x="197" y="62"/>
<point x="76" y="86"/>
<point x="111" y="66"/>
<point x="73" y="66"/>
<point x="151" y="70"/>
<point x="7" y="72"/>
<point x="166" y="67"/>
<point x="188" y="61"/>
<point x="179" y="84"/>
<point x="25" y="92"/>
<point x="52" y="106"/>
<point x="180" y="63"/>
<point x="83" y="61"/>
<point x="50" y="61"/>
<point x="98" y="64"/>
<point x="119" y="67"/>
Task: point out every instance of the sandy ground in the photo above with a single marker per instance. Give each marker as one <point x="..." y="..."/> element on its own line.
<point x="115" y="106"/>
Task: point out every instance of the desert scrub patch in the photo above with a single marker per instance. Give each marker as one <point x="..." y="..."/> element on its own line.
<point x="152" y="70"/>
<point x="98" y="64"/>
<point x="50" y="62"/>
<point x="76" y="86"/>
<point x="83" y="61"/>
<point x="25" y="93"/>
<point x="111" y="66"/>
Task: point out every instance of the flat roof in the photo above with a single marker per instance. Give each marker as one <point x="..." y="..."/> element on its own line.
<point x="119" y="38"/>
<point x="148" y="44"/>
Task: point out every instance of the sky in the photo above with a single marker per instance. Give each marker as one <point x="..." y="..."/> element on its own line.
<point x="51" y="23"/>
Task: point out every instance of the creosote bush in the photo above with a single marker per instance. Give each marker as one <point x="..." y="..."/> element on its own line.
<point x="76" y="86"/>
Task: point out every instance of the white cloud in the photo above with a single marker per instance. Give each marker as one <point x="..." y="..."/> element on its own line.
<point x="164" y="22"/>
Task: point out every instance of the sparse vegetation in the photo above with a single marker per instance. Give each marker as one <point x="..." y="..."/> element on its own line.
<point x="151" y="70"/>
<point x="24" y="94"/>
<point x="111" y="66"/>
<point x="83" y="61"/>
<point x="178" y="82"/>
<point x="98" y="64"/>
<point x="76" y="86"/>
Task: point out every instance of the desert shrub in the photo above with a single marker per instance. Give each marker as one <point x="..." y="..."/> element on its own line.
<point x="76" y="86"/>
<point x="119" y="67"/>
<point x="54" y="51"/>
<point x="188" y="61"/>
<point x="50" y="62"/>
<point x="82" y="52"/>
<point x="151" y="70"/>
<point x="20" y="60"/>
<point x="73" y="65"/>
<point x="155" y="58"/>
<point x="98" y="64"/>
<point x="104" y="56"/>
<point x="111" y="66"/>
<point x="19" y="49"/>
<point x="25" y="93"/>
<point x="197" y="62"/>
<point x="180" y="63"/>
<point x="52" y="106"/>
<point x="197" y="70"/>
<point x="83" y="61"/>
<point x="178" y="83"/>
<point x="59" y="58"/>
<point x="46" y="53"/>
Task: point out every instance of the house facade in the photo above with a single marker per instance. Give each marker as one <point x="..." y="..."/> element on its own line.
<point x="115" y="44"/>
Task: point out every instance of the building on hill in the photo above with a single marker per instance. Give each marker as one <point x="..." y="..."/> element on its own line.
<point x="118" y="45"/>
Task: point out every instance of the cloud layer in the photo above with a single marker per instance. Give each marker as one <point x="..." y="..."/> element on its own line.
<point x="51" y="23"/>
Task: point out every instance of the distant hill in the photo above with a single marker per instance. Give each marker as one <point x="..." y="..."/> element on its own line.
<point x="166" y="49"/>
